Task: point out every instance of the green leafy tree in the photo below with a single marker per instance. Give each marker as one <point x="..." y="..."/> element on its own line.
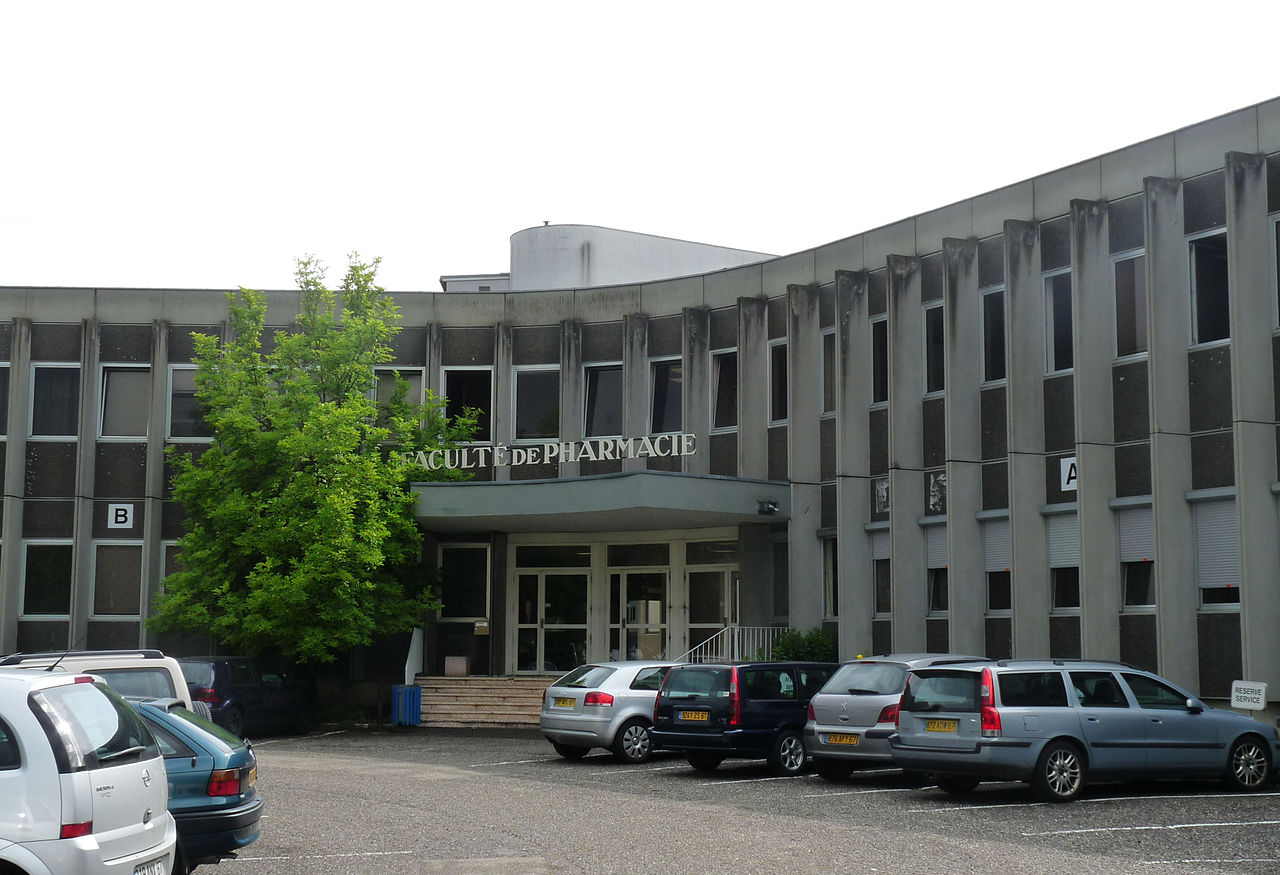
<point x="812" y="646"/>
<point x="300" y="531"/>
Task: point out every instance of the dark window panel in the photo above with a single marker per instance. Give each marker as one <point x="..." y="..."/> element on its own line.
<point x="725" y="390"/>
<point x="467" y="388"/>
<point x="667" y="401"/>
<point x="1131" y="305"/>
<point x="602" y="341"/>
<point x="1055" y="243"/>
<point x="55" y="407"/>
<point x="538" y="345"/>
<point x="991" y="261"/>
<point x="1204" y="202"/>
<point x="47" y="584"/>
<point x="467" y="346"/>
<point x="1126" y="223"/>
<point x="603" y="397"/>
<point x="1209" y="288"/>
<point x="878" y="292"/>
<point x="935" y="356"/>
<point x="778" y="382"/>
<point x="931" y="269"/>
<point x="879" y="361"/>
<point x="993" y="349"/>
<point x="537" y="404"/>
<point x="1058" y="310"/>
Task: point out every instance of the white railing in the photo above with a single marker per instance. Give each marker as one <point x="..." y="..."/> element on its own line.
<point x="735" y="644"/>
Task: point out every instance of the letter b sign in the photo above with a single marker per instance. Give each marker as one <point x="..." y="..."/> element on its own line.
<point x="119" y="516"/>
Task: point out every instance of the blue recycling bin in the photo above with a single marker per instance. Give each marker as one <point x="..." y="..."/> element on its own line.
<point x="406" y="705"/>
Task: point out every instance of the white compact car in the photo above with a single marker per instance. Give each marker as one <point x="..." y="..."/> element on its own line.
<point x="83" y="787"/>
<point x="143" y="673"/>
<point x="607" y="704"/>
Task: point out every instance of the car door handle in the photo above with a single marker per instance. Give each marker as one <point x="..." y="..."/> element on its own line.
<point x="1092" y="719"/>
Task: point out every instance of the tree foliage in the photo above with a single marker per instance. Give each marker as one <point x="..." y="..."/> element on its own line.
<point x="301" y="534"/>
<point x="812" y="646"/>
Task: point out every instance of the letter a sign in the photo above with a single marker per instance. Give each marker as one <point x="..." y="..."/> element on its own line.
<point x="1070" y="474"/>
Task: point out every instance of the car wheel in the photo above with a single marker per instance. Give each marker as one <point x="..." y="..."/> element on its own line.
<point x="632" y="744"/>
<point x="704" y="762"/>
<point x="832" y="770"/>
<point x="956" y="785"/>
<point x="233" y="721"/>
<point x="570" y="751"/>
<point x="1247" y="765"/>
<point x="786" y="757"/>
<point x="1060" y="772"/>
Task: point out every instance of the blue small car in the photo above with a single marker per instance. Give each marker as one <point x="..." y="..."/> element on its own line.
<point x="213" y="792"/>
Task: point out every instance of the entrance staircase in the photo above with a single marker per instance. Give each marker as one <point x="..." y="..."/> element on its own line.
<point x="481" y="702"/>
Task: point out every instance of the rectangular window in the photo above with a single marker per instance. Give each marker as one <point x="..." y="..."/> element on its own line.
<point x="1209" y="288"/>
<point x="829" y="371"/>
<point x="884" y="587"/>
<point x="879" y="361"/>
<point x="1057" y="312"/>
<point x="602" y="386"/>
<point x="831" y="577"/>
<point x="55" y="400"/>
<point x="385" y="384"/>
<point x="1066" y="588"/>
<point x="666" y="396"/>
<point x="993" y="359"/>
<point x="939" y="592"/>
<point x="464" y="582"/>
<point x="1219" y="595"/>
<point x="126" y="402"/>
<point x="4" y="400"/>
<point x="470" y="387"/>
<point x="46" y="581"/>
<point x="1130" y="278"/>
<point x="934" y="354"/>
<point x="1275" y="261"/>
<point x="537" y="403"/>
<point x="778" y="381"/>
<point x="117" y="580"/>
<point x="1137" y="581"/>
<point x="724" y="389"/>
<point x="999" y="592"/>
<point x="186" y="419"/>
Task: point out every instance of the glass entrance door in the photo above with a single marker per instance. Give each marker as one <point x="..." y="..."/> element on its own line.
<point x="638" y="615"/>
<point x="713" y="602"/>
<point x="551" y="621"/>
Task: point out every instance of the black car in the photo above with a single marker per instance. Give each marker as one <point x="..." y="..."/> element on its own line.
<point x="754" y="710"/>
<point x="241" y="699"/>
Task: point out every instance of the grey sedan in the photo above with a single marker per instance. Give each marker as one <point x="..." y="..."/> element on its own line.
<point x="605" y="704"/>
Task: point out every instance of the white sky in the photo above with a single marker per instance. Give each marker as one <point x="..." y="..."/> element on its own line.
<point x="193" y="145"/>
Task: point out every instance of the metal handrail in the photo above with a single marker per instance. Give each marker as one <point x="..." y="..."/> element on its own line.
<point x="734" y="644"/>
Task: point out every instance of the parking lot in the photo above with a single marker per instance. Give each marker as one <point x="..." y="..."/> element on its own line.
<point x="426" y="801"/>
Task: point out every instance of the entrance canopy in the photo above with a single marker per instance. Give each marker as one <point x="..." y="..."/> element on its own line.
<point x="630" y="501"/>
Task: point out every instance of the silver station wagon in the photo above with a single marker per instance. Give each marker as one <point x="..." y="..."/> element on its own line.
<point x="1060" y="724"/>
<point x="606" y="704"/>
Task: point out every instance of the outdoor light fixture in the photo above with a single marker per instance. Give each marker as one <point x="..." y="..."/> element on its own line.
<point x="767" y="508"/>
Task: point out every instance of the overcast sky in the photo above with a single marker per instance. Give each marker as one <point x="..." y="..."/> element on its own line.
<point x="195" y="145"/>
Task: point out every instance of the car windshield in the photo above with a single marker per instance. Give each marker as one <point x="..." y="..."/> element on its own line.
<point x="941" y="691"/>
<point x="867" y="679"/>
<point x="585" y="677"/>
<point x="198" y="673"/>
<point x="690" y="682"/>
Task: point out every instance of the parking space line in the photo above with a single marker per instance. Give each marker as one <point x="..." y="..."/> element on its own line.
<point x="1241" y="796"/>
<point x="513" y="762"/>
<point x="857" y="792"/>
<point x="245" y="859"/>
<point x="1194" y="861"/>
<point x="758" y="780"/>
<point x="1153" y="827"/>
<point x="632" y="771"/>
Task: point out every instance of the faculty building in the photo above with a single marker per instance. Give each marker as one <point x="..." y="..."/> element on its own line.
<point x="1038" y="422"/>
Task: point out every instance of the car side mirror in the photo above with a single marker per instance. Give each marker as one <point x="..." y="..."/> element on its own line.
<point x="1194" y="707"/>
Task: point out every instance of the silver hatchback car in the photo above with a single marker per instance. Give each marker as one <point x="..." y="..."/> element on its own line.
<point x="853" y="715"/>
<point x="605" y="704"/>
<point x="1059" y="724"/>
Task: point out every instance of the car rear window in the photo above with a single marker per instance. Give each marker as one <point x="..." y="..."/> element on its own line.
<point x="649" y="678"/>
<point x="91" y="727"/>
<point x="691" y="682"/>
<point x="198" y="673"/>
<point x="1032" y="689"/>
<point x="769" y="683"/>
<point x="868" y="679"/>
<point x="142" y="683"/>
<point x="941" y="691"/>
<point x="585" y="676"/>
<point x="9" y="757"/>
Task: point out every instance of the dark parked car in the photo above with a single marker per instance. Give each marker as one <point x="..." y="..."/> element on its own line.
<point x="241" y="699"/>
<point x="748" y="710"/>
<point x="213" y="775"/>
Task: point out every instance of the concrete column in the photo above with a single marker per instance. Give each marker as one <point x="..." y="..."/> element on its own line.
<point x="753" y="388"/>
<point x="1168" y="333"/>
<point x="1093" y="332"/>
<point x="697" y="387"/>
<point x="153" y="569"/>
<point x="15" y="468"/>
<point x="1251" y="294"/>
<point x="966" y="568"/>
<point x="906" y="454"/>
<point x="86" y="456"/>
<point x="434" y="357"/>
<point x="853" y="457"/>
<point x="572" y="409"/>
<point x="804" y="402"/>
<point x="635" y="381"/>
<point x="502" y="421"/>
<point x="1024" y="391"/>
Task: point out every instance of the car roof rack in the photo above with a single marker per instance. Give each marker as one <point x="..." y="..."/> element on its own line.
<point x="19" y="658"/>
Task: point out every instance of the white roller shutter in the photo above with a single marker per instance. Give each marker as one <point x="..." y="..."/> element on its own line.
<point x="1217" y="543"/>
<point x="937" y="553"/>
<point x="1137" y="534"/>
<point x="1064" y="541"/>
<point x="879" y="545"/>
<point x="996" y="552"/>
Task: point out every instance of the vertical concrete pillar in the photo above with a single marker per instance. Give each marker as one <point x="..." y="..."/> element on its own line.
<point x="635" y="381"/>
<point x="1251" y="294"/>
<point x="804" y="401"/>
<point x="1093" y="331"/>
<point x="966" y="569"/>
<point x="696" y="364"/>
<point x="1024" y="391"/>
<point x="433" y="355"/>
<point x="853" y="457"/>
<point x="153" y="570"/>
<point x="1168" y="333"/>
<point x="906" y="454"/>
<point x="753" y="391"/>
<point x="502" y="421"/>
<point x="86" y="456"/>
<point x="15" y="447"/>
<point x="572" y="409"/>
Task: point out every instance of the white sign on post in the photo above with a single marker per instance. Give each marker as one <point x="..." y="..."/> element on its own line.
<point x="1248" y="695"/>
<point x="119" y="516"/>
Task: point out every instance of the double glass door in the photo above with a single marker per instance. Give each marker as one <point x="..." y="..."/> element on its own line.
<point x="713" y="602"/>
<point x="551" y="621"/>
<point x="638" y="615"/>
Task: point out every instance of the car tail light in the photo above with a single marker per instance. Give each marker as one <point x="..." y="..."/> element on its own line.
<point x="990" y="716"/>
<point x="207" y="694"/>
<point x="811" y="715"/>
<point x="735" y="698"/>
<point x="76" y="830"/>
<point x="84" y="679"/>
<point x="595" y="697"/>
<point x="897" y="712"/>
<point x="224" y="782"/>
<point x="889" y="714"/>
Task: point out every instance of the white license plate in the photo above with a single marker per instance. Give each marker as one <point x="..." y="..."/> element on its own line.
<point x="155" y="867"/>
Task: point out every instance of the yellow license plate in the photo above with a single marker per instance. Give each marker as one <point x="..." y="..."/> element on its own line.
<point x="939" y="726"/>
<point x="701" y="716"/>
<point x="253" y="776"/>
<point x="564" y="701"/>
<point x="842" y="738"/>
